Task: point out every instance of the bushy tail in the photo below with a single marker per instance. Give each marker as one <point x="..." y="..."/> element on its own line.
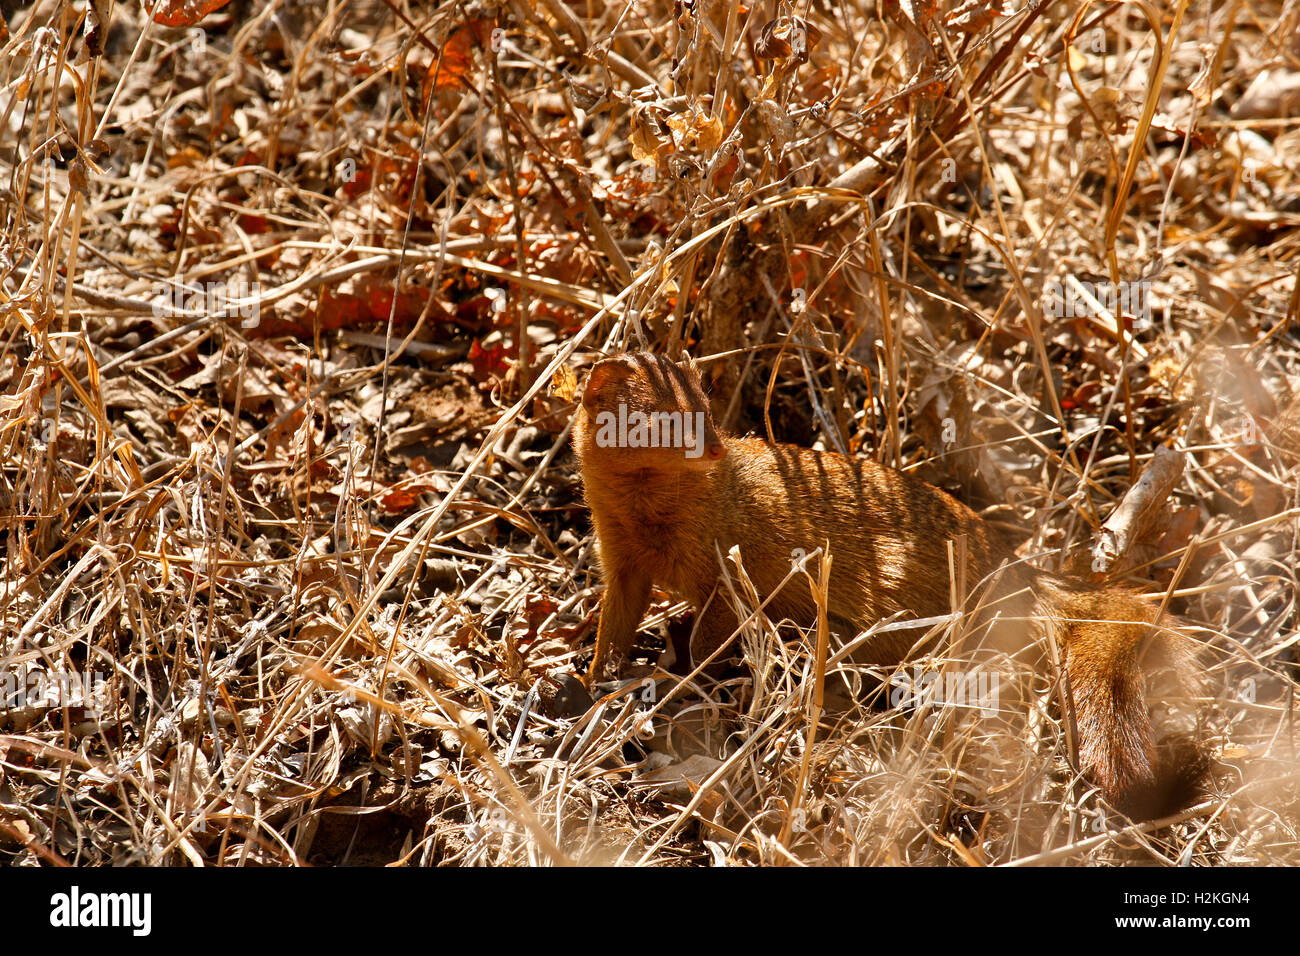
<point x="1115" y="653"/>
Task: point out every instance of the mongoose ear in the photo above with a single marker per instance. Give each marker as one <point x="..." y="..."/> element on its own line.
<point x="605" y="375"/>
<point x="689" y="365"/>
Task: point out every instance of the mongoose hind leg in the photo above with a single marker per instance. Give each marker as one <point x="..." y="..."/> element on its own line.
<point x="715" y="624"/>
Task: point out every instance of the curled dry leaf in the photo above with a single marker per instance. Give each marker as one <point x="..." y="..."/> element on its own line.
<point x="787" y="37"/>
<point x="696" y="126"/>
<point x="647" y="134"/>
<point x="185" y="13"/>
<point x="565" y="383"/>
<point x="584" y="95"/>
<point x="973" y="16"/>
<point x="98" y="14"/>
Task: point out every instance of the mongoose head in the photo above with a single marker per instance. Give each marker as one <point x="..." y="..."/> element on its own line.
<point x="643" y="411"/>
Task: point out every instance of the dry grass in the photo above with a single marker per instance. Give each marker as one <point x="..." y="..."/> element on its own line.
<point x="323" y="589"/>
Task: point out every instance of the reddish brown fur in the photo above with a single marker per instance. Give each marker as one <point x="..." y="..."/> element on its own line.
<point x="663" y="519"/>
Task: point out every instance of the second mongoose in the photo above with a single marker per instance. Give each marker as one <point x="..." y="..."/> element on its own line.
<point x="669" y="494"/>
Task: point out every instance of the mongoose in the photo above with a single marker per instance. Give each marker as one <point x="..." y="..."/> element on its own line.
<point x="668" y="493"/>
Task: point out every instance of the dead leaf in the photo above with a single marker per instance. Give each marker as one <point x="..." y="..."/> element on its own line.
<point x="1271" y="95"/>
<point x="184" y="13"/>
<point x="784" y="37"/>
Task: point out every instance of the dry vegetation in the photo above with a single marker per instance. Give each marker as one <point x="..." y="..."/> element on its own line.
<point x="324" y="590"/>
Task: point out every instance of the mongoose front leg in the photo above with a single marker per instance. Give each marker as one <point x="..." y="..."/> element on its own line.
<point x="627" y="595"/>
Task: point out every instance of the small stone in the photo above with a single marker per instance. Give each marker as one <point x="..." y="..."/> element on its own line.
<point x="562" y="696"/>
